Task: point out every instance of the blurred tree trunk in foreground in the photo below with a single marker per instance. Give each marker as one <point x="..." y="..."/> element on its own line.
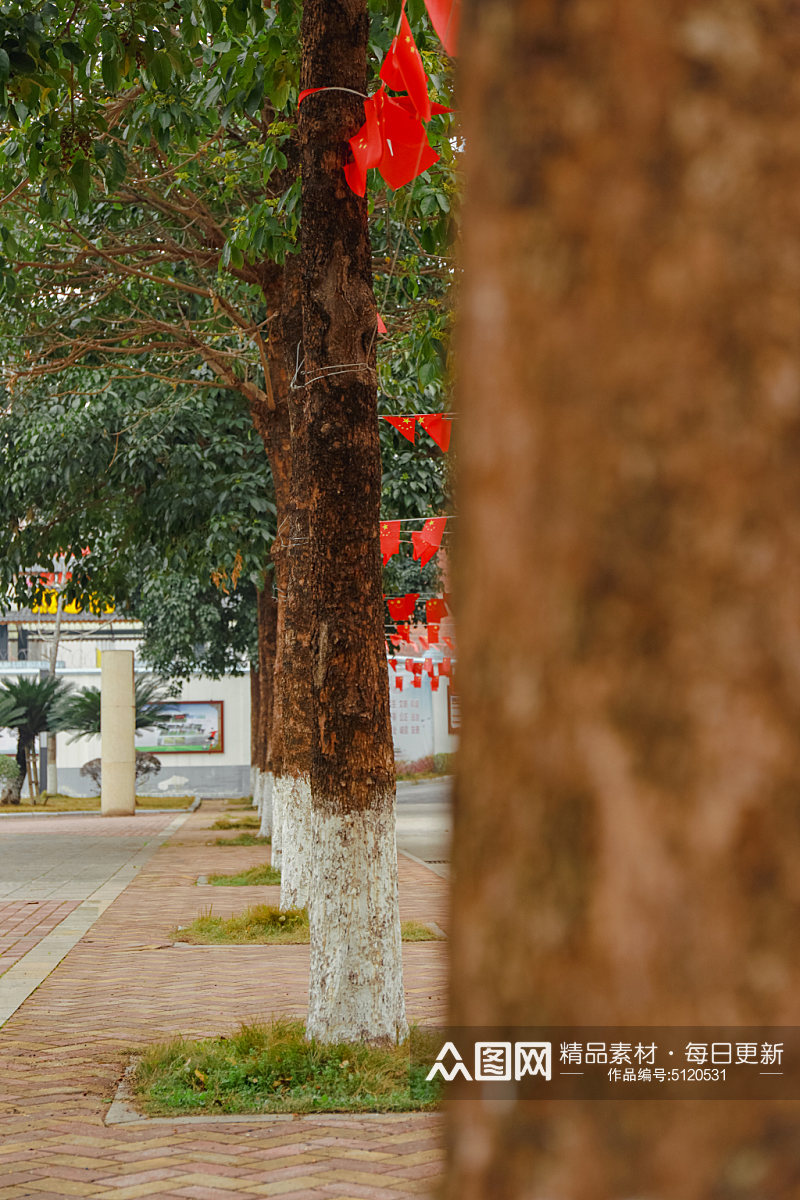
<point x="627" y="844"/>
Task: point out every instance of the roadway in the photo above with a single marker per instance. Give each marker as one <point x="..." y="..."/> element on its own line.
<point x="424" y="819"/>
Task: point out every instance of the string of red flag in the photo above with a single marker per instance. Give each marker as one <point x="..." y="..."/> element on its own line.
<point x="436" y="425"/>
<point x="393" y="138"/>
<point x="426" y="541"/>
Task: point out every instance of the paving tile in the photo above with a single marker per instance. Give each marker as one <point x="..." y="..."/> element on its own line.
<point x="122" y="986"/>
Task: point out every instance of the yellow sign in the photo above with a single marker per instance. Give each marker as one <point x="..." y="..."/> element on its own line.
<point x="49" y="604"/>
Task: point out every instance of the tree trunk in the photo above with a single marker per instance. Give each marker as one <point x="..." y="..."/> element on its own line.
<point x="626" y="838"/>
<point x="255" y="717"/>
<point x="267" y="633"/>
<point x="271" y="420"/>
<point x="356" y="989"/>
<point x="295" y="680"/>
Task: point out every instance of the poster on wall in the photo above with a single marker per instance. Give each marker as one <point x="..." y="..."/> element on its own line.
<point x="190" y="727"/>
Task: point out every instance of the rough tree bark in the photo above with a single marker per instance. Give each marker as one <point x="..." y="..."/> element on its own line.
<point x="267" y="635"/>
<point x="627" y="838"/>
<point x="295" y="681"/>
<point x="270" y="415"/>
<point x="356" y="989"/>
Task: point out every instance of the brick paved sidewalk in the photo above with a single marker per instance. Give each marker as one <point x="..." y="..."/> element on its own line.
<point x="124" y="984"/>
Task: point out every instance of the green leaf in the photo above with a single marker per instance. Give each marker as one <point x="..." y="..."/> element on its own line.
<point x="111" y="72"/>
<point x="73" y="52"/>
<point x="81" y="180"/>
<point x="160" y="68"/>
<point x="5" y="66"/>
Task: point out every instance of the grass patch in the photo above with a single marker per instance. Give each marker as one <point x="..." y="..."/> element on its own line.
<point x="244" y="839"/>
<point x="250" y="821"/>
<point x="261" y="876"/>
<point x="418" y="931"/>
<point x="273" y="1069"/>
<point x="60" y="803"/>
<point x="433" y="766"/>
<point x="265" y="925"/>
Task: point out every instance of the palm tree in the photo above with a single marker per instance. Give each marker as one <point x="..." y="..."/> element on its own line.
<point x="82" y="712"/>
<point x="32" y="706"/>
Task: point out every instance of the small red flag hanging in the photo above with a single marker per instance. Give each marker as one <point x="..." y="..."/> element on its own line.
<point x="393" y="663"/>
<point x="445" y="16"/>
<point x="366" y="145"/>
<point x="433" y="633"/>
<point x="396" y="639"/>
<point x="409" y="664"/>
<point x="417" y="681"/>
<point x="444" y="666"/>
<point x="402" y="607"/>
<point x="428" y="539"/>
<point x="405" y="425"/>
<point x="407" y="151"/>
<point x="438" y="428"/>
<point x="416" y="667"/>
<point x="403" y="71"/>
<point x="404" y="632"/>
<point x="428" y="664"/>
<point x="434" y="683"/>
<point x="393" y="139"/>
<point x="390" y="539"/>
<point x="398" y="683"/>
<point x="435" y="610"/>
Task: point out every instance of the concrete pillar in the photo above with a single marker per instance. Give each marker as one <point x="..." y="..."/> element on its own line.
<point x="118" y="790"/>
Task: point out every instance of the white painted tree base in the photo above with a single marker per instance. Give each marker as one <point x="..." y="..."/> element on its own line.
<point x="254" y="774"/>
<point x="265" y="803"/>
<point x="281" y="788"/>
<point x="356" y="968"/>
<point x="296" y="844"/>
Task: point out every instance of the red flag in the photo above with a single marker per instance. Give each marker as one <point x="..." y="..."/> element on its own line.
<point x="433" y="633"/>
<point x="366" y="145"/>
<point x="390" y="539"/>
<point x="416" y="667"/>
<point x="393" y="663"/>
<point x="438" y="428"/>
<point x="447" y="641"/>
<point x="405" y="425"/>
<point x="428" y="664"/>
<point x="445" y="16"/>
<point x="435" y="611"/>
<point x="381" y="326"/>
<point x="409" y="664"/>
<point x="428" y="539"/>
<point x="402" y="607"/>
<point x="404" y="632"/>
<point x="398" y="683"/>
<point x="434" y="683"/>
<point x="402" y="69"/>
<point x="392" y="139"/>
<point x="417" y="681"/>
<point x="444" y="666"/>
<point x="407" y="152"/>
<point x="395" y="639"/>
<point x="423" y="641"/>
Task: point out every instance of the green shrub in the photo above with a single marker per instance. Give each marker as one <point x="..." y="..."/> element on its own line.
<point x="9" y="769"/>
